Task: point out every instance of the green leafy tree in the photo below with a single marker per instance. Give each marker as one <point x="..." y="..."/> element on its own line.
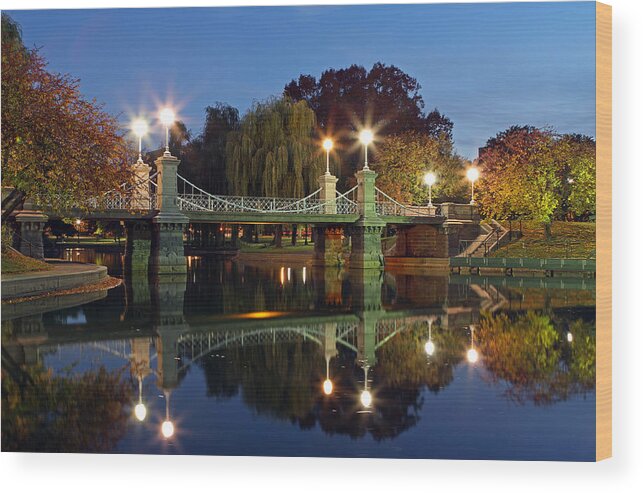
<point x="520" y="176"/>
<point x="56" y="145"/>
<point x="404" y="159"/>
<point x="273" y="153"/>
<point x="537" y="174"/>
<point x="206" y="162"/>
<point x="578" y="176"/>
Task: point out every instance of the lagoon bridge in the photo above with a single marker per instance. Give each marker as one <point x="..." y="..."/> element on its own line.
<point x="156" y="208"/>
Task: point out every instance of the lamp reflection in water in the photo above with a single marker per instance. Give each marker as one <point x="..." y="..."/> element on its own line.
<point x="472" y="353"/>
<point x="366" y="398"/>
<point x="167" y="428"/>
<point x="429" y="347"/>
<point x="140" y="411"/>
<point x="328" y="384"/>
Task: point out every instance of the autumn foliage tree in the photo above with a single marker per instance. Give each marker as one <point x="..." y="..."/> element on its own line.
<point x="404" y="159"/>
<point x="531" y="173"/>
<point x="56" y="145"/>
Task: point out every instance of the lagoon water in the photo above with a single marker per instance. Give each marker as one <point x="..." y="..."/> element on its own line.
<point x="249" y="358"/>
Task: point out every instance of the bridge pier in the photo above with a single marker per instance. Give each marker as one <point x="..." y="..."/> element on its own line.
<point x="138" y="238"/>
<point x="31" y="223"/>
<point x="366" y="233"/>
<point x="328" y="246"/>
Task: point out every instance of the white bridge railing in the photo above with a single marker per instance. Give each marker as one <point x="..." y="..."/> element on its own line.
<point x="192" y="198"/>
<point x="385" y="205"/>
<point x="142" y="196"/>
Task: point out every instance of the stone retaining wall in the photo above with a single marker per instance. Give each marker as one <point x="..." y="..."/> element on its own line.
<point x="60" y="278"/>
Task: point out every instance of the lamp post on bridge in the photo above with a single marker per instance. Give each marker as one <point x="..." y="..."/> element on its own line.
<point x="328" y="145"/>
<point x="167" y="119"/>
<point x="430" y="180"/>
<point x="366" y="137"/>
<point x="140" y="128"/>
<point x="473" y="174"/>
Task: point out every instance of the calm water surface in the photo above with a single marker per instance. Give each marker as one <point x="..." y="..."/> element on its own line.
<point x="249" y="359"/>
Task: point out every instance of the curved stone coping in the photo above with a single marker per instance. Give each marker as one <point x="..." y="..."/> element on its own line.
<point x="64" y="275"/>
<point x="49" y="304"/>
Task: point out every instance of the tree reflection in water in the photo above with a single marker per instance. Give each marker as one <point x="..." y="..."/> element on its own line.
<point x="85" y="412"/>
<point x="536" y="358"/>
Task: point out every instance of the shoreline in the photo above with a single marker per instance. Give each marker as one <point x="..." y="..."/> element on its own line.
<point x="63" y="278"/>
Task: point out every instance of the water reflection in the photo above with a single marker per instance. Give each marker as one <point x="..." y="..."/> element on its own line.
<point x="348" y="353"/>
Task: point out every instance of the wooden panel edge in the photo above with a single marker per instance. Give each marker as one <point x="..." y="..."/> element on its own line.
<point x="603" y="231"/>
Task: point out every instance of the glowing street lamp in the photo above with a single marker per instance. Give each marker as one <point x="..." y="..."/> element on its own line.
<point x="430" y="180"/>
<point x="167" y="119"/>
<point x="328" y="145"/>
<point x="472" y="174"/>
<point x="570" y="337"/>
<point x="140" y="128"/>
<point x="366" y="137"/>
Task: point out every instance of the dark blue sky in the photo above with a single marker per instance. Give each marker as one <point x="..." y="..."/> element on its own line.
<point x="486" y="66"/>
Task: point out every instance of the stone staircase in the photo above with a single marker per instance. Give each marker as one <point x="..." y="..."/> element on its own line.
<point x="494" y="236"/>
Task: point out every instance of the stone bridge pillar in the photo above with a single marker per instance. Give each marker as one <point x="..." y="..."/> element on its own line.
<point x="31" y="223"/>
<point x="141" y="193"/>
<point x="328" y="185"/>
<point x="167" y="253"/>
<point x="366" y="233"/>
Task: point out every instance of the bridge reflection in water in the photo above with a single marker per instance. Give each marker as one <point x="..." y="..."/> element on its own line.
<point x="349" y="351"/>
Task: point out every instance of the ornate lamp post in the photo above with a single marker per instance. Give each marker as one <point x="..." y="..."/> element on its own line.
<point x="472" y="174"/>
<point x="430" y="179"/>
<point x="328" y="145"/>
<point x="366" y="137"/>
<point x="140" y="128"/>
<point x="167" y="119"/>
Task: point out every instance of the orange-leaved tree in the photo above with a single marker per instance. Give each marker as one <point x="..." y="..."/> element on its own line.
<point x="56" y="145"/>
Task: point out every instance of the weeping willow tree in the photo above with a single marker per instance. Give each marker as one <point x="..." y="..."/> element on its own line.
<point x="273" y="154"/>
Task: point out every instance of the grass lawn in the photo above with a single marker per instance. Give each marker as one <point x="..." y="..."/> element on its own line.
<point x="264" y="246"/>
<point x="16" y="263"/>
<point x="569" y="240"/>
<point x="88" y="240"/>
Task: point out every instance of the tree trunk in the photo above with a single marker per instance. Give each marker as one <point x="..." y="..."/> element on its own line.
<point x="293" y="238"/>
<point x="247" y="233"/>
<point x="548" y="230"/>
<point x="278" y="234"/>
<point x="305" y="234"/>
<point x="11" y="203"/>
